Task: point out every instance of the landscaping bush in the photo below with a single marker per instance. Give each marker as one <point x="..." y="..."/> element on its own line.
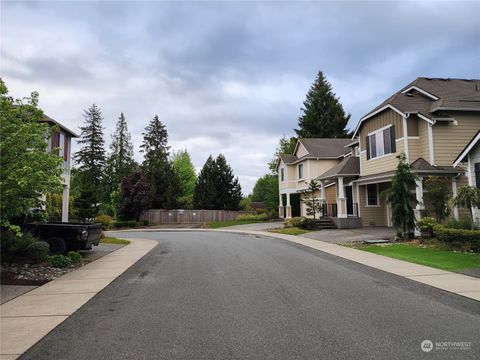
<point x="132" y="223"/>
<point x="13" y="246"/>
<point x="74" y="256"/>
<point x="426" y="226"/>
<point x="307" y="223"/>
<point x="252" y="217"/>
<point x="105" y="220"/>
<point x="144" y="222"/>
<point x="59" y="261"/>
<point x="37" y="251"/>
<point x="469" y="239"/>
<point x="292" y="222"/>
<point x="120" y="224"/>
<point x="462" y="224"/>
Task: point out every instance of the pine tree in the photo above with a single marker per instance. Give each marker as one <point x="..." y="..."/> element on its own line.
<point x="204" y="195"/>
<point x="312" y="204"/>
<point x="157" y="168"/>
<point x="134" y="196"/>
<point x="323" y="114"/>
<point x="183" y="167"/>
<point x="227" y="186"/>
<point x="91" y="161"/>
<point x="120" y="162"/>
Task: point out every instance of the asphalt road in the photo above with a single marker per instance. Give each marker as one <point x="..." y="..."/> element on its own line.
<point x="226" y="296"/>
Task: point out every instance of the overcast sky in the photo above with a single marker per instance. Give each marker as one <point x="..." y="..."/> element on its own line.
<point x="227" y="77"/>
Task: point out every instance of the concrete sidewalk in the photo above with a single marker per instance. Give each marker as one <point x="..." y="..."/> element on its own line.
<point x="28" y="318"/>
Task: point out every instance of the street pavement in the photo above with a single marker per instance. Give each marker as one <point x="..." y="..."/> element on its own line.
<point x="206" y="295"/>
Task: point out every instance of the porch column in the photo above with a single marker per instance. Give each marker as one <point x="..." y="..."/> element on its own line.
<point x="65" y="198"/>
<point x="281" y="213"/>
<point x="454" y="192"/>
<point x="288" y="208"/>
<point x="341" y="203"/>
<point x="323" y="197"/>
<point x="418" y="209"/>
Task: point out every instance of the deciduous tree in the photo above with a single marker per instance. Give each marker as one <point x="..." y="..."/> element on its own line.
<point x="285" y="146"/>
<point x="134" y="196"/>
<point x="266" y="191"/>
<point x="183" y="167"/>
<point x="468" y="197"/>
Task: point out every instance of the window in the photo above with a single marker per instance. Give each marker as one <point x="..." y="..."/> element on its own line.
<point x="372" y="195"/>
<point x="381" y="142"/>
<point x="282" y="174"/>
<point x="300" y="171"/>
<point x="477" y="175"/>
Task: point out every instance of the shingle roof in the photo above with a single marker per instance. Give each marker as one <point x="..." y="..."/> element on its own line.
<point x="422" y="166"/>
<point x="288" y="158"/>
<point x="325" y="147"/>
<point x="348" y="166"/>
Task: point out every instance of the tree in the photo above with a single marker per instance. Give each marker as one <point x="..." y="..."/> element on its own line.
<point x="437" y="195"/>
<point x="134" y="196"/>
<point x="323" y="114"/>
<point x="266" y="191"/>
<point x="91" y="161"/>
<point x="285" y="146"/>
<point x="400" y="196"/>
<point x="27" y="169"/>
<point x="313" y="205"/>
<point x="157" y="168"/>
<point x="120" y="162"/>
<point x="468" y="197"/>
<point x="183" y="167"/>
<point x="216" y="187"/>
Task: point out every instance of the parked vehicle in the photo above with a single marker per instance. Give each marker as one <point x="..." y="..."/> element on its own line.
<point x="64" y="237"/>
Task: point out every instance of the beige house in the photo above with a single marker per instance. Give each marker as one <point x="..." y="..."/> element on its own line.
<point x="431" y="121"/>
<point x="310" y="159"/>
<point x="61" y="139"/>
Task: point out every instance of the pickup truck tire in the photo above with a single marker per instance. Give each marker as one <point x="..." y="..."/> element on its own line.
<point x="58" y="246"/>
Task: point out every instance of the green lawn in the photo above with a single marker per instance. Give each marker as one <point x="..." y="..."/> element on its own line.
<point x="437" y="258"/>
<point x="220" y="224"/>
<point x="112" y="240"/>
<point x="290" y="231"/>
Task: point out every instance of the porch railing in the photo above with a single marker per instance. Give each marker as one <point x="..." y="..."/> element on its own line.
<point x="331" y="210"/>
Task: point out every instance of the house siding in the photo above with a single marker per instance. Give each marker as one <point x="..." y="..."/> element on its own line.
<point x="301" y="151"/>
<point x="380" y="120"/>
<point x="450" y="139"/>
<point x="423" y="147"/>
<point x="382" y="164"/>
<point x="373" y="215"/>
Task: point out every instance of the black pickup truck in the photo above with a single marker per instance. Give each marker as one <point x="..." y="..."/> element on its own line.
<point x="64" y="237"/>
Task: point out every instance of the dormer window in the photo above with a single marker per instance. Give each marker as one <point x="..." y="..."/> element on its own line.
<point x="381" y="142"/>
<point x="300" y="171"/>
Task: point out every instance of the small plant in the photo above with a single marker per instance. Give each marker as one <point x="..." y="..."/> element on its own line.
<point x="59" y="261"/>
<point x="14" y="245"/>
<point x="307" y="223"/>
<point x="468" y="197"/>
<point x="426" y="226"/>
<point x="105" y="220"/>
<point x="74" y="256"/>
<point x="37" y="251"/>
<point x="132" y="223"/>
<point x="292" y="222"/>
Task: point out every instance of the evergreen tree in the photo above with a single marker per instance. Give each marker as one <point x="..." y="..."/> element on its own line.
<point x="120" y="162"/>
<point x="134" y="196"/>
<point x="401" y="198"/>
<point x="91" y="161"/>
<point x="313" y="205"/>
<point x="323" y="114"/>
<point x="229" y="192"/>
<point x="157" y="168"/>
<point x="183" y="167"/>
<point x="204" y="195"/>
<point x="285" y="146"/>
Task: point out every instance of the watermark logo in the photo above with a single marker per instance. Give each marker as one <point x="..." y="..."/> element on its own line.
<point x="426" y="346"/>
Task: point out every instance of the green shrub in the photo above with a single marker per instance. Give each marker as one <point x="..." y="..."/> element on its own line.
<point x="59" y="261"/>
<point x="105" y="220"/>
<point x="13" y="246"/>
<point x="74" y="256"/>
<point x="292" y="222"/>
<point x="426" y="225"/>
<point x="252" y="217"/>
<point x="37" y="251"/>
<point x="144" y="222"/>
<point x="459" y="237"/>
<point x="307" y="223"/>
<point x="120" y="224"/>
<point x="132" y="223"/>
<point x="462" y="224"/>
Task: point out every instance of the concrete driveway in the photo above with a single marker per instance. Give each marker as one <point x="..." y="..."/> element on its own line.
<point x="348" y="236"/>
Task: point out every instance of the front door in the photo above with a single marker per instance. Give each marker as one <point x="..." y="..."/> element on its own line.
<point x="349" y="199"/>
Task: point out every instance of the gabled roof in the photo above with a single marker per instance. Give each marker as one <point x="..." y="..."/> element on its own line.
<point x="348" y="167"/>
<point x="426" y="96"/>
<point x="55" y="122"/>
<point x="467" y="149"/>
<point x="422" y="166"/>
<point x="288" y="158"/>
<point x="326" y="148"/>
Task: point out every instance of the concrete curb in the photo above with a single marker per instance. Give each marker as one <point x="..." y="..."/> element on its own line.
<point x="28" y="318"/>
<point x="459" y="284"/>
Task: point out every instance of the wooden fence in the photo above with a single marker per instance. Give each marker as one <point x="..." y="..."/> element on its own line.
<point x="160" y="216"/>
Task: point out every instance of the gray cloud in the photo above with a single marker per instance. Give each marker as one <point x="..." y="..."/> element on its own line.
<point x="228" y="77"/>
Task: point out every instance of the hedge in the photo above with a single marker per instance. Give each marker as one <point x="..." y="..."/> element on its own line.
<point x="251" y="217"/>
<point x="459" y="236"/>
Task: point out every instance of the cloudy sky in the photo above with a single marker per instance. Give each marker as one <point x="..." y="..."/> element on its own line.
<point x="227" y="77"/>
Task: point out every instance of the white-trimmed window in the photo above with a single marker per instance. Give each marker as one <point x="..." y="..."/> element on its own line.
<point x="372" y="195"/>
<point x="381" y="142"/>
<point x="300" y="171"/>
<point x="282" y="174"/>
